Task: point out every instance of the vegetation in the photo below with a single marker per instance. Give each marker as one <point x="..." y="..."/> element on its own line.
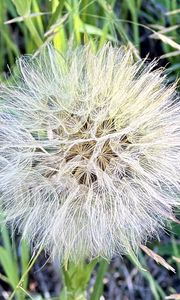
<point x="151" y="28"/>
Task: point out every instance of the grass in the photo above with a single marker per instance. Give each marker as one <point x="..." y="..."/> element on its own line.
<point x="148" y="27"/>
<point x="13" y="266"/>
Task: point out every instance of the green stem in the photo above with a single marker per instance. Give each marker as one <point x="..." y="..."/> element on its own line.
<point x="19" y="285"/>
<point x="98" y="286"/>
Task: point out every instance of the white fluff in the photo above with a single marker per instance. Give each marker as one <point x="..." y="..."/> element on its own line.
<point x="89" y="151"/>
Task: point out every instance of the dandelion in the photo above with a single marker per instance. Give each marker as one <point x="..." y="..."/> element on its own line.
<point x="90" y="151"/>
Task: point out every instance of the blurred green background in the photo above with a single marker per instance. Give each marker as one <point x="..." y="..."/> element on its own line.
<point x="150" y="28"/>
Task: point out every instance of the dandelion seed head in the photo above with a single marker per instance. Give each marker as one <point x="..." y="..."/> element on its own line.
<point x="90" y="150"/>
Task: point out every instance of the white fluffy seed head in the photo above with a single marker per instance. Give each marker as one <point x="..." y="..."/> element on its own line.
<point x="90" y="151"/>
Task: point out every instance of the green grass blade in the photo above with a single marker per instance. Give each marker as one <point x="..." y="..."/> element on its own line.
<point x="30" y="265"/>
<point x="9" y="267"/>
<point x="25" y="256"/>
<point x="60" y="38"/>
<point x="22" y="7"/>
<point x="134" y="14"/>
<point x="38" y="20"/>
<point x="92" y="30"/>
<point x="56" y="14"/>
<point x="98" y="286"/>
